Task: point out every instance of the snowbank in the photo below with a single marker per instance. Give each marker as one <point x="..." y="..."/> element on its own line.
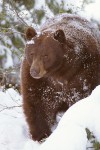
<point x="71" y="131"/>
<point x="13" y="128"/>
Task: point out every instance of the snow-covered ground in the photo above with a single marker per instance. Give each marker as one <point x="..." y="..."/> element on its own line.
<point x="13" y="128"/>
<point x="70" y="133"/>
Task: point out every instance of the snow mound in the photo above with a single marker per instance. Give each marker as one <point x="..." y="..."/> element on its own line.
<point x="71" y="131"/>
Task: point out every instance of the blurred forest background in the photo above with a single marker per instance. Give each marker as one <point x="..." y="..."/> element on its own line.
<point x="15" y="17"/>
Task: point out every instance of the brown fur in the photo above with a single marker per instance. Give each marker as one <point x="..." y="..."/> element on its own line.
<point x="61" y="67"/>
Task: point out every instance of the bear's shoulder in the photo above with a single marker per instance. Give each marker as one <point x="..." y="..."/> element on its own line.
<point x="63" y="20"/>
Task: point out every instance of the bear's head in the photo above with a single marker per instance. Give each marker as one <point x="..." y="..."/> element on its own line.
<point x="44" y="52"/>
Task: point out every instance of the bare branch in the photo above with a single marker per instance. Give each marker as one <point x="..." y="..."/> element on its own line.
<point x="9" y="108"/>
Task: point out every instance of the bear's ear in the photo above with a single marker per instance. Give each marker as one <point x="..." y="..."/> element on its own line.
<point x="60" y="36"/>
<point x="30" y="33"/>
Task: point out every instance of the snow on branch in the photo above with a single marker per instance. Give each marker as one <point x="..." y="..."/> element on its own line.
<point x="14" y="9"/>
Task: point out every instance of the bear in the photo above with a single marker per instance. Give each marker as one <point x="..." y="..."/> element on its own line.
<point x="61" y="65"/>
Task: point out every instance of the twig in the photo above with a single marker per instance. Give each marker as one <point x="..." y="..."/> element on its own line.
<point x="8" y="108"/>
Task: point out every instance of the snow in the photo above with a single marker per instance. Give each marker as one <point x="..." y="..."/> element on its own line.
<point x="13" y="128"/>
<point x="93" y="10"/>
<point x="8" y="62"/>
<point x="70" y="133"/>
<point x="0" y="6"/>
<point x="30" y="42"/>
<point x="74" y="5"/>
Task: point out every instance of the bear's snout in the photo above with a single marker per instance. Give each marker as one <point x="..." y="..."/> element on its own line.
<point x="34" y="72"/>
<point x="37" y="70"/>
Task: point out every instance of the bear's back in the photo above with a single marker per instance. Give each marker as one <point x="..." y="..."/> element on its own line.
<point x="74" y="27"/>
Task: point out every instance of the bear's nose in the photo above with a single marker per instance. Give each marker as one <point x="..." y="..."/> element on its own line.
<point x="35" y="72"/>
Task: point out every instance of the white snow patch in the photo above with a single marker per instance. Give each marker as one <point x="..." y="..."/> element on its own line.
<point x="85" y="87"/>
<point x="93" y="10"/>
<point x="30" y="42"/>
<point x="58" y="118"/>
<point x="75" y="5"/>
<point x="30" y="145"/>
<point x="77" y="49"/>
<point x="13" y="128"/>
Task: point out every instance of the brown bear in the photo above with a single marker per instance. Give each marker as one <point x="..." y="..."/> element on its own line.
<point x="61" y="65"/>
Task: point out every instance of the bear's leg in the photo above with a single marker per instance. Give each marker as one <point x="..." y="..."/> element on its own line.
<point x="32" y="90"/>
<point x="36" y="119"/>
